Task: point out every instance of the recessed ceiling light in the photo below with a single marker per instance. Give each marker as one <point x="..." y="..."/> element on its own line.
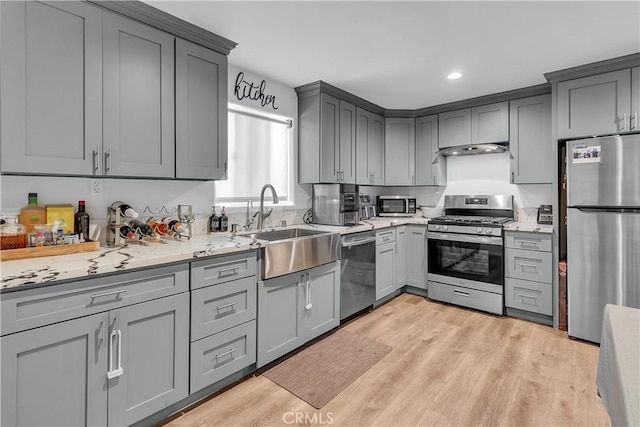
<point x="454" y="76"/>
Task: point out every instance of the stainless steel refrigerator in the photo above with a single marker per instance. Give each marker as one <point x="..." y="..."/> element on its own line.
<point x="603" y="229"/>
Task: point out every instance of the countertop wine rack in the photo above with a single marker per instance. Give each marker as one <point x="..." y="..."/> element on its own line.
<point x="115" y="219"/>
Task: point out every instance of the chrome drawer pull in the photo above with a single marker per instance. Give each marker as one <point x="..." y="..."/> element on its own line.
<point x="218" y="356"/>
<point x="531" y="266"/>
<point x="463" y="294"/>
<point x="106" y="294"/>
<point x="233" y="270"/>
<point x="530" y="244"/>
<point x="222" y="307"/>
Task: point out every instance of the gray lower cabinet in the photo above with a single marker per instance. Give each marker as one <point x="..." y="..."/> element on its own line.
<point x="385" y="269"/>
<point x="201" y="112"/>
<point x="401" y="260"/>
<point x="528" y="275"/>
<point x="111" y="368"/>
<point x="223" y="317"/>
<point x="596" y="105"/>
<point x="296" y="308"/>
<point x="51" y="84"/>
<point x="416" y="248"/>
<point x="530" y="140"/>
<point x="399" y="151"/>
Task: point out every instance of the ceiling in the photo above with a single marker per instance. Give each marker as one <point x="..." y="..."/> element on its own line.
<point x="397" y="54"/>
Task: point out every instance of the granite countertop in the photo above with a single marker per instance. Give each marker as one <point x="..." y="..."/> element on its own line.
<point x="531" y="227"/>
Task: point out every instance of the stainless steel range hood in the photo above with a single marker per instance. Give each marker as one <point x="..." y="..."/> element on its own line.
<point x="465" y="150"/>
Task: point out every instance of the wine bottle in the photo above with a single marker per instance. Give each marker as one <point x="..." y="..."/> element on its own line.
<point x="159" y="227"/>
<point x="127" y="232"/>
<point x="141" y="228"/>
<point x="81" y="222"/>
<point x="125" y="209"/>
<point x="175" y="225"/>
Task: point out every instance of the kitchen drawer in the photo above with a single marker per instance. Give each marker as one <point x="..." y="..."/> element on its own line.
<point x="528" y="241"/>
<point x="466" y="297"/>
<point x="219" y="307"/>
<point x="223" y="269"/>
<point x="56" y="303"/>
<point x="528" y="265"/>
<point x="216" y="357"/>
<point x="528" y="295"/>
<point x="386" y="236"/>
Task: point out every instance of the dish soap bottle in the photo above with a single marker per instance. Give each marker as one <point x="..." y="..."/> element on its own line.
<point x="214" y="222"/>
<point x="224" y="221"/>
<point x="33" y="213"/>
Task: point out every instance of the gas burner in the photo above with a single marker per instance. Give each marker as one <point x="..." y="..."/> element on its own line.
<point x="471" y="220"/>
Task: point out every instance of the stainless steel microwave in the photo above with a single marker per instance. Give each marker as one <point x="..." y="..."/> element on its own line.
<point x="396" y="206"/>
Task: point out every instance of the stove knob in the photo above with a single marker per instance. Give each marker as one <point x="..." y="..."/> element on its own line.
<point x="445" y="228"/>
<point x="478" y="230"/>
<point x="488" y="231"/>
<point x="436" y="227"/>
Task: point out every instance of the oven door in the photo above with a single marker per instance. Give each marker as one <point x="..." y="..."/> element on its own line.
<point x="464" y="259"/>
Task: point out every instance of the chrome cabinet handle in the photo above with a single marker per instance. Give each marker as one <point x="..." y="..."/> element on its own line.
<point x="221" y="355"/>
<point x="114" y="373"/>
<point x="308" y="306"/>
<point x="623" y="120"/>
<point x="232" y="270"/>
<point x="107" y="161"/>
<point x="95" y="161"/>
<point x="222" y="307"/>
<point x="528" y="244"/>
<point x="462" y="294"/>
<point x="106" y="294"/>
<point x="531" y="266"/>
<point x="633" y="119"/>
<point x="534" y="299"/>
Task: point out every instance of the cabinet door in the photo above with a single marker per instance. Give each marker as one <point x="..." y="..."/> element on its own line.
<point x="490" y="123"/>
<point x="416" y="257"/>
<point x="50" y="79"/>
<point x="376" y="150"/>
<point x="363" y="127"/>
<point x="201" y="112"/>
<point x="153" y="339"/>
<point x="55" y="375"/>
<point x="322" y="300"/>
<point x="594" y="105"/>
<point x="347" y="143"/>
<point x="530" y="140"/>
<point x="635" y="99"/>
<point x="430" y="168"/>
<point x="399" y="151"/>
<point x="401" y="257"/>
<point x="454" y="128"/>
<point x="280" y="313"/>
<point x="138" y="87"/>
<point x="329" y="138"/>
<point x="385" y="269"/>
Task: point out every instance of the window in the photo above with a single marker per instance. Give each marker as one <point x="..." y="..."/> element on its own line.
<point x="259" y="152"/>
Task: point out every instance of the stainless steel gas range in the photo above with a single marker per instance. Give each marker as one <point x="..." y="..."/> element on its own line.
<point x="466" y="252"/>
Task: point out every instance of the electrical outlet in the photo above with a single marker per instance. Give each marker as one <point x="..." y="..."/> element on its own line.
<point x="96" y="187"/>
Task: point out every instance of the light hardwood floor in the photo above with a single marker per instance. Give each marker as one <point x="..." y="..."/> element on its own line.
<point x="449" y="367"/>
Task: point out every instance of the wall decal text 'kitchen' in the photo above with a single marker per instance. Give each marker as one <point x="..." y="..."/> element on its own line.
<point x="245" y="89"/>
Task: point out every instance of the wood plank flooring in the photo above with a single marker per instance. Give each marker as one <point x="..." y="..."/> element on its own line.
<point x="449" y="367"/>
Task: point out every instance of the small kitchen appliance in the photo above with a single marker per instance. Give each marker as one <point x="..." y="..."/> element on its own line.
<point x="367" y="207"/>
<point x="466" y="252"/>
<point x="396" y="206"/>
<point x="335" y="204"/>
<point x="545" y="214"/>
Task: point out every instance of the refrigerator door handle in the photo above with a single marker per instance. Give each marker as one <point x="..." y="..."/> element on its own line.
<point x="591" y="209"/>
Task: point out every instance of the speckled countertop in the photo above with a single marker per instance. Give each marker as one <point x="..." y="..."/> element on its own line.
<point x="34" y="272"/>
<point x="531" y="227"/>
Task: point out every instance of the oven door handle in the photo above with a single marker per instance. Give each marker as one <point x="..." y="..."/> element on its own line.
<point x="465" y="238"/>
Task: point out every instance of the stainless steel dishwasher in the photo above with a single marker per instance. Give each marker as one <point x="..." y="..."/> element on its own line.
<point x="358" y="273"/>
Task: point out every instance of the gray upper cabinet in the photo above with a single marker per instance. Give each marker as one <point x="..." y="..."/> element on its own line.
<point x="490" y="123"/>
<point x="55" y="375"/>
<point x="454" y="128"/>
<point x="369" y="148"/>
<point x="138" y="90"/>
<point x="201" y="112"/>
<point x="634" y="125"/>
<point x="596" y="105"/>
<point x="347" y="150"/>
<point x="399" y="151"/>
<point x="51" y="84"/>
<point x="431" y="169"/>
<point x="530" y="140"/>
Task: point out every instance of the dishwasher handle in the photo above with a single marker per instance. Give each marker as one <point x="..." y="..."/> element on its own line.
<point x="358" y="242"/>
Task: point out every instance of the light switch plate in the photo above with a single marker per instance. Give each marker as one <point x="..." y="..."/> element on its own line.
<point x="96" y="187"/>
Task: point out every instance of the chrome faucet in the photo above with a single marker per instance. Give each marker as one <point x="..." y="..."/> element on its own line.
<point x="261" y="214"/>
<point x="249" y="218"/>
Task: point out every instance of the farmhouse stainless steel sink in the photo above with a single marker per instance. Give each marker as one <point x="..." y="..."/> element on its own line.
<point x="295" y="249"/>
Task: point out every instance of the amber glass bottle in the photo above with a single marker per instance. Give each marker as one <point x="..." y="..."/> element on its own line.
<point x="33" y="213"/>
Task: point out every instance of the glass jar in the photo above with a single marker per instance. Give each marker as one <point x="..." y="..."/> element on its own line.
<point x="13" y="235"/>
